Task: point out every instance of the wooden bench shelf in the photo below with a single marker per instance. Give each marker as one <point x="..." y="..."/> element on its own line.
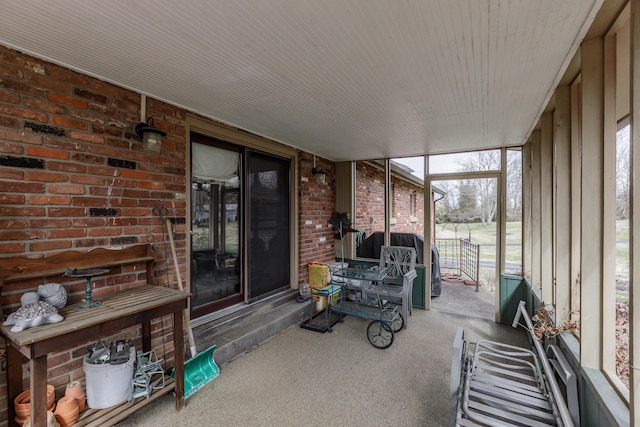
<point x="110" y="416"/>
<point x="119" y="310"/>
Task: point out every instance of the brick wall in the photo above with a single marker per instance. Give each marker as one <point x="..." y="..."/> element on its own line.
<point x="370" y="201"/>
<point x="317" y="204"/>
<point x="74" y="176"/>
<point x="401" y="206"/>
<point x="369" y="198"/>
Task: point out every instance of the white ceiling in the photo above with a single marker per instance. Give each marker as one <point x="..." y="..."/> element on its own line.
<point x="344" y="79"/>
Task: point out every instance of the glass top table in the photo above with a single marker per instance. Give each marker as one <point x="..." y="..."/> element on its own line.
<point x="375" y="275"/>
<point x="384" y="316"/>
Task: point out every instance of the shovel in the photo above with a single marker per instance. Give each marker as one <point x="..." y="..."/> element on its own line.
<point x="201" y="368"/>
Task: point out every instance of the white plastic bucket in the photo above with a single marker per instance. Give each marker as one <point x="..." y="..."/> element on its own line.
<point x="108" y="385"/>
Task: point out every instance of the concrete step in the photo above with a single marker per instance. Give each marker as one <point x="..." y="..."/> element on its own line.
<point x="241" y="331"/>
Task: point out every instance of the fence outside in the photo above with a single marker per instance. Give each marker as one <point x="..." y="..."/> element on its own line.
<point x="458" y="257"/>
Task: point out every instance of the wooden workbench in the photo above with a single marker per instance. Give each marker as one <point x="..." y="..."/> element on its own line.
<point x="119" y="310"/>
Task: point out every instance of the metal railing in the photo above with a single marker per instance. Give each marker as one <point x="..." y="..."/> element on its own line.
<point x="459" y="256"/>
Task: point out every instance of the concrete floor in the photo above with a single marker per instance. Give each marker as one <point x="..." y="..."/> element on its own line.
<point x="306" y="378"/>
<point x="458" y="298"/>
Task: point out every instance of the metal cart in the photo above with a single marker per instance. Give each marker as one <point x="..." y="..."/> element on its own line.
<point x="385" y="317"/>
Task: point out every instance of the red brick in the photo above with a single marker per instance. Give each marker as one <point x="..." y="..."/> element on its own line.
<point x="20" y="87"/>
<point x="122" y="202"/>
<point x="105" y="88"/>
<point x="126" y="183"/>
<point x="88" y="158"/>
<point x="68" y="100"/>
<point x="9" y="97"/>
<point x="9" y="122"/>
<point x="136" y="194"/>
<point x="21" y="211"/>
<point x="67" y="233"/>
<point x="57" y="359"/>
<point x="105" y="110"/>
<point x="106" y="191"/>
<point x="150" y="185"/>
<point x="66" y="189"/>
<point x="45" y="152"/>
<point x="62" y="143"/>
<point x="49" y="107"/>
<point x="11" y="199"/>
<point x="22" y="235"/>
<point x="58" y="212"/>
<point x="100" y="170"/>
<point x="130" y="231"/>
<point x="106" y="130"/>
<point x="67" y="167"/>
<point x="22" y="187"/>
<point x="12" y="57"/>
<point x="27" y="137"/>
<point x="12" y="248"/>
<point x="50" y="223"/>
<point x="67" y="76"/>
<point x="67" y="122"/>
<point x="6" y="224"/>
<point x="47" y="83"/>
<point x="109" y="231"/>
<point x="89" y="201"/>
<point x="90" y="96"/>
<point x="123" y="222"/>
<point x="48" y="200"/>
<point x="90" y="243"/>
<point x="89" y="222"/>
<point x="105" y="150"/>
<point x="87" y="180"/>
<point x="38" y="175"/>
<point x="11" y="72"/>
<point x="97" y="139"/>
<point x="64" y="369"/>
<point x="128" y="173"/>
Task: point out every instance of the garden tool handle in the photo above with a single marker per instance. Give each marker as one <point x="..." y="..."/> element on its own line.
<point x="185" y="312"/>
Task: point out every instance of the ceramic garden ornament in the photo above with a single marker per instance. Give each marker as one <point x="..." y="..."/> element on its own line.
<point x="32" y="313"/>
<point x="53" y="293"/>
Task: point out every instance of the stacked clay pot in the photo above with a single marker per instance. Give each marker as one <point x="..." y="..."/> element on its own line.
<point x="51" y="421"/>
<point x="74" y="389"/>
<point x="67" y="411"/>
<point x="22" y="404"/>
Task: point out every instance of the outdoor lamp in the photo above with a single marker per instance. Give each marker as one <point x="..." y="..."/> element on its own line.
<point x="322" y="175"/>
<point x="151" y="135"/>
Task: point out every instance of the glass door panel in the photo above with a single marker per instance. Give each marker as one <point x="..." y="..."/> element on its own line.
<point x="215" y="229"/>
<point x="269" y="231"/>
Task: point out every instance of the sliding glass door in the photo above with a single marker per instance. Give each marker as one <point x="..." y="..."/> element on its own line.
<point x="216" y="212"/>
<point x="240" y="206"/>
<point x="269" y="231"/>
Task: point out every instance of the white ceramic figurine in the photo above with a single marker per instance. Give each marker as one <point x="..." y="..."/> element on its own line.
<point x="32" y="313"/>
<point x="53" y="293"/>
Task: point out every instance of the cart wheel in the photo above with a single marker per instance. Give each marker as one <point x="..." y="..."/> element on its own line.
<point x="398" y="323"/>
<point x="380" y="334"/>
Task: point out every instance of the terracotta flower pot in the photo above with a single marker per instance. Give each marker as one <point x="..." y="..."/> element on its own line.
<point x="74" y="389"/>
<point x="22" y="402"/>
<point x="51" y="421"/>
<point x="22" y="421"/>
<point x="67" y="411"/>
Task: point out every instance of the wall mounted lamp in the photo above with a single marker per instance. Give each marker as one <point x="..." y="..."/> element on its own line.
<point x="321" y="174"/>
<point x="151" y="135"/>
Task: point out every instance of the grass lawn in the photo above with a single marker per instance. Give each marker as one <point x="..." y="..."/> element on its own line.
<point x="485" y="236"/>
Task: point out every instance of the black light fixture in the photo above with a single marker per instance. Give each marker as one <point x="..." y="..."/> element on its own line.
<point x="151" y="135"/>
<point x="321" y="174"/>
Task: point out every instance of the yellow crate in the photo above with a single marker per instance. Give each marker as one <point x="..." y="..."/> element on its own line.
<point x="318" y="275"/>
